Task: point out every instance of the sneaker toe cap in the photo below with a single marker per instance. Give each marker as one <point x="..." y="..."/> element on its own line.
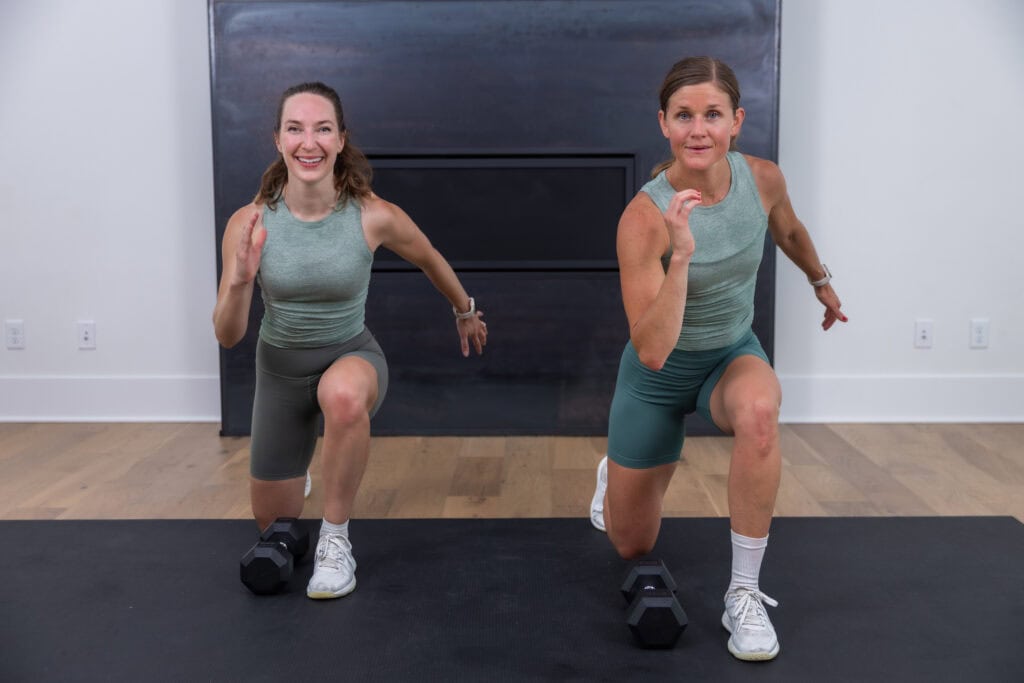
<point x="330" y="587"/>
<point x="754" y="647"/>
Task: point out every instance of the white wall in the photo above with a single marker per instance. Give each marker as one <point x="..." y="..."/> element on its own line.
<point x="106" y="204"/>
<point x="899" y="140"/>
<point x="898" y="137"/>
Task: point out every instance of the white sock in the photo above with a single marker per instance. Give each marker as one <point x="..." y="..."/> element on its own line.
<point x="747" y="554"/>
<point x="336" y="529"/>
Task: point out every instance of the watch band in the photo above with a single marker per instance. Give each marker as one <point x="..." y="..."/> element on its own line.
<point x="823" y="281"/>
<point x="468" y="314"/>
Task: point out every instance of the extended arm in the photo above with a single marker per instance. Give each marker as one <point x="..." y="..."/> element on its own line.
<point x="392" y="228"/>
<point x="793" y="238"/>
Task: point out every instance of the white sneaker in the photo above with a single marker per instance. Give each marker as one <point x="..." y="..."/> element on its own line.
<point x="309" y="485"/>
<point x="334" y="569"/>
<point x="753" y="636"/>
<point x="597" y="502"/>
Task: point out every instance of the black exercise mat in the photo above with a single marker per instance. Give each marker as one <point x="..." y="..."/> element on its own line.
<point x="861" y="599"/>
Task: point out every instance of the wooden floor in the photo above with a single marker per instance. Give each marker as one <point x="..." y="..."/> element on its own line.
<point x="124" y="471"/>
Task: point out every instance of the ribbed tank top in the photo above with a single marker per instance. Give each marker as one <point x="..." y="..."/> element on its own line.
<point x="729" y="238"/>
<point x="314" y="277"/>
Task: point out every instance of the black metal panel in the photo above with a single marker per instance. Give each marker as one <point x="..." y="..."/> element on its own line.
<point x="502" y="79"/>
<point x="543" y="211"/>
<point x="550" y="368"/>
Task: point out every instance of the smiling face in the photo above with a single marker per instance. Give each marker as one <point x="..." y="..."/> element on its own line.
<point x="700" y="124"/>
<point x="309" y="138"/>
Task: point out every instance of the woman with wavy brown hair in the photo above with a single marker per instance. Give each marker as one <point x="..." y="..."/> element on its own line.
<point x="308" y="238"/>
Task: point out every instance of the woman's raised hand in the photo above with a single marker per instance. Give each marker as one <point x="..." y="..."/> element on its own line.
<point x="677" y="218"/>
<point x="250" y="249"/>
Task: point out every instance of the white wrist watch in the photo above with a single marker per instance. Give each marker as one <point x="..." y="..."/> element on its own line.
<point x="818" y="283"/>
<point x="468" y="314"/>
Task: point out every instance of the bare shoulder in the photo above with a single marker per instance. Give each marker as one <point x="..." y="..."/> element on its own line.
<point x="641" y="211"/>
<point x="383" y="222"/>
<point x="374" y="205"/>
<point x="642" y="228"/>
<point x="768" y="177"/>
<point x="641" y="214"/>
<point x="378" y="213"/>
<point x="242" y="216"/>
<point x="246" y="212"/>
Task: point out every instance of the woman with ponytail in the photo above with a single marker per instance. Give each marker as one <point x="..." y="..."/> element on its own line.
<point x="308" y="239"/>
<point x="689" y="246"/>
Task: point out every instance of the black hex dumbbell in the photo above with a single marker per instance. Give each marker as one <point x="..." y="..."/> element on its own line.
<point x="654" y="615"/>
<point x="267" y="566"/>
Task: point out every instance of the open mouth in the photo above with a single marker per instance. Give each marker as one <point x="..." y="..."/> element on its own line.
<point x="309" y="162"/>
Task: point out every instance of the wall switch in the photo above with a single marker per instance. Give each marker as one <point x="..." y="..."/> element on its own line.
<point x="922" y="334"/>
<point x="86" y="334"/>
<point x="979" y="333"/>
<point x="14" y="333"/>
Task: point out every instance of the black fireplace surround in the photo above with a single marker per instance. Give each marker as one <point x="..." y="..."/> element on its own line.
<point x="514" y="132"/>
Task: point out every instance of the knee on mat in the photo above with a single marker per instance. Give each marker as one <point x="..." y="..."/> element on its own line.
<point x="632" y="548"/>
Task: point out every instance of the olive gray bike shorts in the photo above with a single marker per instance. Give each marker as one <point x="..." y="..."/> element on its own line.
<point x="286" y="412"/>
<point x="646" y="427"/>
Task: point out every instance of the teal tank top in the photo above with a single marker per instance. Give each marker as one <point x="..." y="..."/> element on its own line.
<point x="314" y="277"/>
<point x="729" y="239"/>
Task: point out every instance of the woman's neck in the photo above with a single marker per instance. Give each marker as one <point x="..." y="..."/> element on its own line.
<point x="713" y="183"/>
<point x="310" y="202"/>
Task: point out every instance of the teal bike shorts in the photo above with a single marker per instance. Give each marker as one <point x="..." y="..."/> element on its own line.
<point x="646" y="427"/>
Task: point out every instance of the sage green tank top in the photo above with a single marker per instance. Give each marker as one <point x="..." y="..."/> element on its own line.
<point x="314" y="277"/>
<point x="729" y="239"/>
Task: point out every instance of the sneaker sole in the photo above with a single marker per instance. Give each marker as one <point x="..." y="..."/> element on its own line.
<point x="748" y="656"/>
<point x="330" y="595"/>
<point x="594" y="503"/>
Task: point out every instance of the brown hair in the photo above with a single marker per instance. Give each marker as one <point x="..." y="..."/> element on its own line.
<point x="694" y="71"/>
<point x="352" y="172"/>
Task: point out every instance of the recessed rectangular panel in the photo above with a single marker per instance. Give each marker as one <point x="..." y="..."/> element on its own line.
<point x="510" y="212"/>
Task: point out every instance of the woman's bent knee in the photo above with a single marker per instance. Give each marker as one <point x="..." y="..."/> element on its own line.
<point x="630" y="546"/>
<point x="271" y="499"/>
<point x="633" y="551"/>
<point x="757" y="423"/>
<point x="342" y="406"/>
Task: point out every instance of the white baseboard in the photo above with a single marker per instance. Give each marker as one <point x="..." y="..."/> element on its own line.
<point x="862" y="398"/>
<point x="902" y="398"/>
<point x="122" y="398"/>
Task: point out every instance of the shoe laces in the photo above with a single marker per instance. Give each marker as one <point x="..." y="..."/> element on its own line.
<point x="334" y="552"/>
<point x="748" y="606"/>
